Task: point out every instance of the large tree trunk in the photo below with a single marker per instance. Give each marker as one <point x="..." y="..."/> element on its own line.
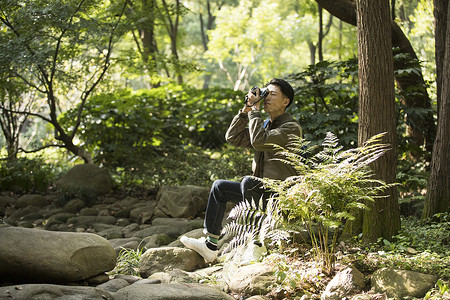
<point x="422" y="129"/>
<point x="377" y="110"/>
<point x="438" y="195"/>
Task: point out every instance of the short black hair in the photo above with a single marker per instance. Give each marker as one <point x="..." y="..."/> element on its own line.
<point x="285" y="88"/>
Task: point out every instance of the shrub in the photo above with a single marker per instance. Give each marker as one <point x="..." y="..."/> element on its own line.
<point x="165" y="135"/>
<point x="27" y="174"/>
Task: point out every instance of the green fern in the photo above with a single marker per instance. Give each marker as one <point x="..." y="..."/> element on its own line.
<point x="250" y="222"/>
<point x="333" y="182"/>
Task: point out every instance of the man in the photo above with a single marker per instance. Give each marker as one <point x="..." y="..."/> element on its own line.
<point x="248" y="130"/>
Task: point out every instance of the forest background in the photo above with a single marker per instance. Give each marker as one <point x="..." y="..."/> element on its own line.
<point x="147" y="88"/>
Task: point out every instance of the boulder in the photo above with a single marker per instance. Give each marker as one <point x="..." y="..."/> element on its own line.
<point x="182" y="201"/>
<point x="51" y="291"/>
<point x="255" y="279"/>
<point x="172" y="291"/>
<point x="86" y="179"/>
<point x="345" y="282"/>
<point x="166" y="258"/>
<point x="399" y="284"/>
<point x="31" y="255"/>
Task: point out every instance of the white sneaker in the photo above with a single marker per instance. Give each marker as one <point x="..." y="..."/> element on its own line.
<point x="199" y="246"/>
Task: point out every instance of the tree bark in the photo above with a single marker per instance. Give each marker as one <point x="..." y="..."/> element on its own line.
<point x="438" y="189"/>
<point x="377" y="111"/>
<point x="422" y="129"/>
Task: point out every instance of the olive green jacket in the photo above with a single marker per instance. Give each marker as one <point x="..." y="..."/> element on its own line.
<point x="247" y="130"/>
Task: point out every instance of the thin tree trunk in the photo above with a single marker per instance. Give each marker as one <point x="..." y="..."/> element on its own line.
<point x="438" y="189"/>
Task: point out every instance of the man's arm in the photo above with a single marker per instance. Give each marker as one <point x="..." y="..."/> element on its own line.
<point x="238" y="134"/>
<point x="263" y="140"/>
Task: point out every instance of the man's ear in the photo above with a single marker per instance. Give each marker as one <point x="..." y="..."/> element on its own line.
<point x="286" y="102"/>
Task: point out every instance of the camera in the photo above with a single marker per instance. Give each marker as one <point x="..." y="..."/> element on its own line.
<point x="263" y="92"/>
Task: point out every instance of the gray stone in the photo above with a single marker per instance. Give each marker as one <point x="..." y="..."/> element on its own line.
<point x="370" y="297"/>
<point x="399" y="284"/>
<point x="6" y="201"/>
<point x="160" y="229"/>
<point x="111" y="233"/>
<point x="86" y="221"/>
<point x="172" y="291"/>
<point x="19" y="213"/>
<point x="143" y="212"/>
<point x="255" y="279"/>
<point x="31" y="255"/>
<point x="157" y="240"/>
<point x="166" y="258"/>
<point x="74" y="205"/>
<point x="60" y="217"/>
<point x="33" y="200"/>
<point x="51" y="291"/>
<point x="98" y="279"/>
<point x="182" y="201"/>
<point x="184" y="225"/>
<point x="122" y="241"/>
<point x="48" y="212"/>
<point x="86" y="179"/>
<point x="128" y="278"/>
<point x="129" y="230"/>
<point x="128" y="202"/>
<point x="346" y="282"/>
<point x="88" y="211"/>
<point x="175" y="275"/>
<point x="113" y="285"/>
<point x="122" y="222"/>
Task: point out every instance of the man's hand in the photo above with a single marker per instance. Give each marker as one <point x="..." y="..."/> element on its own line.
<point x="251" y="100"/>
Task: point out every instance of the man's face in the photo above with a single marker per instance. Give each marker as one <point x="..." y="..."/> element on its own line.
<point x="275" y="102"/>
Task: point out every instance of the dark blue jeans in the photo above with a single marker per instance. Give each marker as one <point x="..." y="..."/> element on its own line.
<point x="223" y="191"/>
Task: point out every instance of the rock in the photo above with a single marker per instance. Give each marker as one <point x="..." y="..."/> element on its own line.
<point x="160" y="259"/>
<point x="182" y="201"/>
<point x="51" y="291"/>
<point x="111" y="233"/>
<point x="175" y="275"/>
<point x="348" y="281"/>
<point x="399" y="284"/>
<point x="113" y="285"/>
<point x="88" y="211"/>
<point x="86" y="221"/>
<point x="172" y="291"/>
<point x="74" y="206"/>
<point x="19" y="213"/>
<point x="143" y="213"/>
<point x="171" y="231"/>
<point x="122" y="222"/>
<point x="33" y="200"/>
<point x="128" y="278"/>
<point x="31" y="255"/>
<point x="129" y="230"/>
<point x="120" y="242"/>
<point x="157" y="240"/>
<point x="6" y="201"/>
<point x="98" y="279"/>
<point x="86" y="179"/>
<point x="370" y="297"/>
<point x="184" y="225"/>
<point x="127" y="202"/>
<point x="255" y="279"/>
